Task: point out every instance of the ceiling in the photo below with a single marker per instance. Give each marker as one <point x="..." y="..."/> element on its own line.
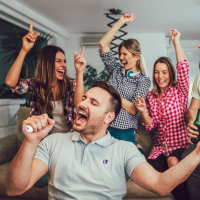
<point x="153" y="16"/>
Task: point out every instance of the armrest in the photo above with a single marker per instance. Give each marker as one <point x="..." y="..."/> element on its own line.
<point x="8" y="148"/>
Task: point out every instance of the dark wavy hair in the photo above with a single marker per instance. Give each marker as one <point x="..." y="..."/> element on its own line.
<point x="45" y="79"/>
<point x="115" y="102"/>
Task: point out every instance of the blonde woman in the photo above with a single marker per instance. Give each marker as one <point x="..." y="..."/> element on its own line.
<point x="127" y="77"/>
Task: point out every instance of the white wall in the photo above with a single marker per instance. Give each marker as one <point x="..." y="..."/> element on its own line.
<point x="90" y="54"/>
<point x="190" y="48"/>
<point x="153" y="46"/>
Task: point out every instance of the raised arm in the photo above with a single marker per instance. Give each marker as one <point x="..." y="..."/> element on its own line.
<point x="27" y="43"/>
<point x="182" y="64"/>
<point x="107" y="38"/>
<point x="175" y="37"/>
<point x="25" y="170"/>
<point x="80" y="64"/>
<point x="162" y="183"/>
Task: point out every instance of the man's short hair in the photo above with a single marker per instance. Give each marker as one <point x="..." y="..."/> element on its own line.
<point x="115" y="100"/>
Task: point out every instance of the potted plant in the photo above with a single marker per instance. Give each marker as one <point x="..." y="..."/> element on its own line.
<point x="91" y="75"/>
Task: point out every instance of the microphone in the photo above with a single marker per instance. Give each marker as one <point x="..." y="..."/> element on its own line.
<point x="30" y="128"/>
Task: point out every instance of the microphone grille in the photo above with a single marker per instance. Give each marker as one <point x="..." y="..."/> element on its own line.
<point x="50" y="116"/>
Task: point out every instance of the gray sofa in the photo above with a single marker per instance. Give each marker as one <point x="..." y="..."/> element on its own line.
<point x="10" y="145"/>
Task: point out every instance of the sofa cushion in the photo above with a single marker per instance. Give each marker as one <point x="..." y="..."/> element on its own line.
<point x="22" y="114"/>
<point x="145" y="138"/>
<point x="8" y="148"/>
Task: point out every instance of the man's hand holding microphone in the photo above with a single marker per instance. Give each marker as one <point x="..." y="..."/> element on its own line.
<point x="36" y="128"/>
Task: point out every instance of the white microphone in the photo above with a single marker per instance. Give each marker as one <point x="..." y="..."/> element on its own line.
<point x="30" y="128"/>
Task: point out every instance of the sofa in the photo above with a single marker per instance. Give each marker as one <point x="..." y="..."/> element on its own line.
<point x="9" y="146"/>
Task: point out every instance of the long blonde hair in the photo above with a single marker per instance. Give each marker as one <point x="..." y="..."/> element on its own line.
<point x="45" y="79"/>
<point x="134" y="47"/>
<point x="172" y="73"/>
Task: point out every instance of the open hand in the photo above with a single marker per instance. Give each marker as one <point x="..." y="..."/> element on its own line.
<point x="29" y="39"/>
<point x="175" y="35"/>
<point x="41" y="126"/>
<point x="126" y="18"/>
<point x="192" y="132"/>
<point x="140" y="104"/>
<point x="79" y="61"/>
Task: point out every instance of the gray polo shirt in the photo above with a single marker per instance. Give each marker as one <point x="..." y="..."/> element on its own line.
<point x="87" y="172"/>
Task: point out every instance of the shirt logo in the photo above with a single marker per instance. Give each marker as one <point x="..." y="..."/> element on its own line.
<point x="105" y="161"/>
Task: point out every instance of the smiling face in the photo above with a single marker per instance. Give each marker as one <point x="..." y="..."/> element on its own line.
<point x="128" y="59"/>
<point x="161" y="74"/>
<point x="60" y="65"/>
<point x="92" y="113"/>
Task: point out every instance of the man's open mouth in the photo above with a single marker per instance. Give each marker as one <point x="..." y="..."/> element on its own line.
<point x="81" y="117"/>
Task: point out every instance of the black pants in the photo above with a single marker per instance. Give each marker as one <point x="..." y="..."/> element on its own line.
<point x="160" y="164"/>
<point x="193" y="181"/>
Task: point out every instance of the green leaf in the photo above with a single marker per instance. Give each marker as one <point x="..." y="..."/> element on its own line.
<point x="90" y="76"/>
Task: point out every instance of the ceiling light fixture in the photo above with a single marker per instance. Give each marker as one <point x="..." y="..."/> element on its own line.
<point x="115" y="11"/>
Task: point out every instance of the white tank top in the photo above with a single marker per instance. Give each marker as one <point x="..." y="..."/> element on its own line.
<point x="60" y="125"/>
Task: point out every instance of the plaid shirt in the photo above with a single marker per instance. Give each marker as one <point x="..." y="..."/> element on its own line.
<point x="27" y="86"/>
<point x="168" y="115"/>
<point x="128" y="88"/>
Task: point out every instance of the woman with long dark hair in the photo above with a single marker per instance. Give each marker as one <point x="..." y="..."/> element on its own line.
<point x="53" y="91"/>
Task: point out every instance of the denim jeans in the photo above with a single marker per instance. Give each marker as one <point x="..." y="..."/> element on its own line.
<point x="126" y="135"/>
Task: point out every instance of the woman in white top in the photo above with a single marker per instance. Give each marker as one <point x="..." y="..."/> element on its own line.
<point x="53" y="92"/>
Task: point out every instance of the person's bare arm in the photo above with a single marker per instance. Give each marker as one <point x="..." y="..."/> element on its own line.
<point x="27" y="43"/>
<point x="128" y="106"/>
<point x="162" y="183"/>
<point x="175" y="37"/>
<point x="80" y="64"/>
<point x="190" y="118"/>
<point x="107" y="38"/>
<point x="24" y="170"/>
<point x="140" y="104"/>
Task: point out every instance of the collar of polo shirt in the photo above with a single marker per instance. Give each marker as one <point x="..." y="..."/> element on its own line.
<point x="104" y="141"/>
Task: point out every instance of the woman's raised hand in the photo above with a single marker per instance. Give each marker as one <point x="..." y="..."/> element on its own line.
<point x="175" y="35"/>
<point x="29" y="39"/>
<point x="140" y="104"/>
<point x="126" y="18"/>
<point x="79" y="61"/>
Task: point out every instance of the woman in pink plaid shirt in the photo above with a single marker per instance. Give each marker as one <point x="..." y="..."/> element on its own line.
<point x="165" y="110"/>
